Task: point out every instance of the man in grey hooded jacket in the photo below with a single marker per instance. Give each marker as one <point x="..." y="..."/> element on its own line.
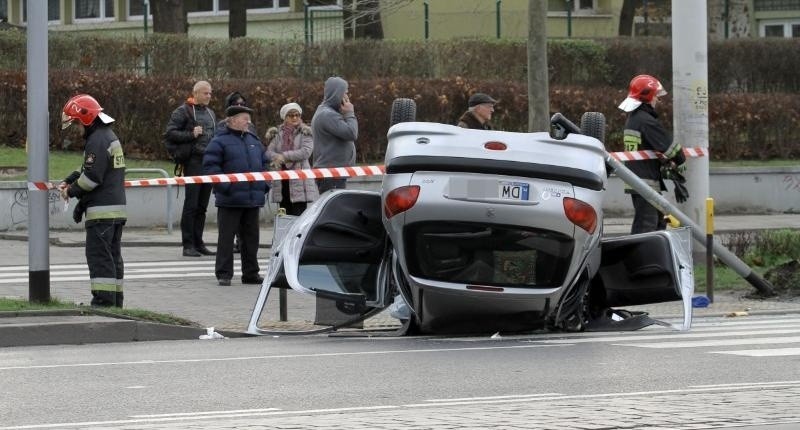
<point x="335" y="129"/>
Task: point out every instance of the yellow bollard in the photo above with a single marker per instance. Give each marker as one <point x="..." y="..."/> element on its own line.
<point x="710" y="249"/>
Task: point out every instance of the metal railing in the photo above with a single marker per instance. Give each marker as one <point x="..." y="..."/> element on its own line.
<point x="168" y="189"/>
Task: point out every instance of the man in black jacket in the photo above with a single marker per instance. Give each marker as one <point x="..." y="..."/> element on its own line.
<point x="100" y="189"/>
<point x="642" y="132"/>
<point x="193" y="123"/>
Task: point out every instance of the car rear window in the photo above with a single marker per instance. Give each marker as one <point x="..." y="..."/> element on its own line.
<point x="471" y="253"/>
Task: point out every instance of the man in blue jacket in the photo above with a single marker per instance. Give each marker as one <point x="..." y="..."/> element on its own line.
<point x="236" y="149"/>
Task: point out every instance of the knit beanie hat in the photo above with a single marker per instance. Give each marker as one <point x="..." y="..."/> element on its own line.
<point x="290" y="106"/>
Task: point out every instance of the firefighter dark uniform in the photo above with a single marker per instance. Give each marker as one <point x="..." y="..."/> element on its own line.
<point x="100" y="189"/>
<point x="642" y="132"/>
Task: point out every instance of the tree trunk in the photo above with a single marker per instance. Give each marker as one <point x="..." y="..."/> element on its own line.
<point x="349" y="19"/>
<point x="538" y="86"/>
<point x="169" y="16"/>
<point x="369" y="24"/>
<point x="626" y="18"/>
<point x="237" y="19"/>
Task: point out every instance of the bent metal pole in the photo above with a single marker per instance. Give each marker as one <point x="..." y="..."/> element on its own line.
<point x="664" y="205"/>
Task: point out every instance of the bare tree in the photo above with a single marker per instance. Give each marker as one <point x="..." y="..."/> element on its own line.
<point x="626" y="15"/>
<point x="538" y="85"/>
<point x="169" y="16"/>
<point x="237" y="19"/>
<point x="362" y="18"/>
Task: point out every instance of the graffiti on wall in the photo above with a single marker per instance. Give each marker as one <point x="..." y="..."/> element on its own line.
<point x="19" y="206"/>
<point x="791" y="183"/>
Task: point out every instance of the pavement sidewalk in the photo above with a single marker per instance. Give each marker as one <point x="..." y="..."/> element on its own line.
<point x="228" y="308"/>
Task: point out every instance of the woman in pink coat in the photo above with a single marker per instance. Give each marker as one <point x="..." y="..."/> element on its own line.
<point x="289" y="148"/>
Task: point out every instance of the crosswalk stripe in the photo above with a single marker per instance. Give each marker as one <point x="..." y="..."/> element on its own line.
<point x="775" y="352"/>
<point x="716" y="342"/>
<point x="133" y="270"/>
<point x="670" y="336"/>
<point x="197" y="262"/>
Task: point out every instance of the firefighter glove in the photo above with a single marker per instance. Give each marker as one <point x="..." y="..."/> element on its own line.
<point x="681" y="193"/>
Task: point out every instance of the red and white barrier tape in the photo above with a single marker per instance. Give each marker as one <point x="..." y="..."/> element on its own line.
<point x="649" y="155"/>
<point x="335" y="172"/>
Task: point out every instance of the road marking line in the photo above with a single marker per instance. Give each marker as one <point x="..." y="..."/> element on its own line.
<point x="272" y="357"/>
<point x="775" y="352"/>
<point x="190" y="414"/>
<point x="738" y="384"/>
<point x="198" y="262"/>
<point x="520" y="396"/>
<point x="196" y="418"/>
<point x="670" y="336"/>
<point x="719" y="342"/>
<point x="391" y="407"/>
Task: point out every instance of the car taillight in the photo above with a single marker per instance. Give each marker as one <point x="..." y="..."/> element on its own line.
<point x="400" y="200"/>
<point x="581" y="214"/>
<point x="495" y="146"/>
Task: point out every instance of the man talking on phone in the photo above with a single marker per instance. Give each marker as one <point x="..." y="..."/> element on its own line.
<point x="335" y="129"/>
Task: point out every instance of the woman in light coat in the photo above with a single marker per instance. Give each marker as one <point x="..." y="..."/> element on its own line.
<point x="289" y="148"/>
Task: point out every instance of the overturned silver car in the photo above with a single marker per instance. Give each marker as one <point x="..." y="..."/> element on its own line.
<point x="477" y="232"/>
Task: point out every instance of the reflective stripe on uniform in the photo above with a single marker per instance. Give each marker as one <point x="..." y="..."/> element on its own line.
<point x="106" y="212"/>
<point x="632" y="139"/>
<point x="85" y="183"/>
<point x="653" y="183"/>
<point x="673" y="150"/>
<point x="106" y="284"/>
<point x="117" y="156"/>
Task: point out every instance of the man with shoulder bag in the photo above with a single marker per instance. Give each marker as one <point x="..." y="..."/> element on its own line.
<point x="191" y="126"/>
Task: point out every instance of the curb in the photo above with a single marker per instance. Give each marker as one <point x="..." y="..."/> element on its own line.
<point x="76" y="327"/>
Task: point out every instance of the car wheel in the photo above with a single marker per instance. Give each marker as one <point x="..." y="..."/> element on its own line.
<point x="594" y="124"/>
<point x="403" y="110"/>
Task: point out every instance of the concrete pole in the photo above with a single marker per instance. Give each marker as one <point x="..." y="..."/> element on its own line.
<point x="538" y="86"/>
<point x="38" y="147"/>
<point x="690" y="98"/>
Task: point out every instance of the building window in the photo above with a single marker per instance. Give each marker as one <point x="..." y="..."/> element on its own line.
<point x="770" y="5"/>
<point x="136" y="9"/>
<point x="214" y="7"/>
<point x="53" y="10"/>
<point x="584" y="6"/>
<point x="94" y="9"/>
<point x="779" y="28"/>
<point x="258" y="4"/>
<point x="324" y="3"/>
<point x="4" y="10"/>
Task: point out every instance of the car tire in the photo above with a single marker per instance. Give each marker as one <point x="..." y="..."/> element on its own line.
<point x="403" y="110"/>
<point x="594" y="124"/>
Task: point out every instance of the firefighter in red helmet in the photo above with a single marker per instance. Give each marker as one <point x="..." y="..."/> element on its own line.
<point x="643" y="131"/>
<point x="99" y="186"/>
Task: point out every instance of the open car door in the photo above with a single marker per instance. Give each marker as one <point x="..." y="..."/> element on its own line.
<point x="335" y="251"/>
<point x="647" y="268"/>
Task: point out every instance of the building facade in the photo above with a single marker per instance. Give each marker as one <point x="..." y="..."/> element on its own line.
<point x="314" y="20"/>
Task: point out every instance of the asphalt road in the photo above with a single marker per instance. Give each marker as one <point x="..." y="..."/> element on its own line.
<point x="724" y="373"/>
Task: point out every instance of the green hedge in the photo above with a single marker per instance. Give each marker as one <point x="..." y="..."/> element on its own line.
<point x="742" y="126"/>
<point x="737" y="65"/>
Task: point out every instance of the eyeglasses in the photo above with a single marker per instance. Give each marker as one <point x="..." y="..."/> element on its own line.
<point x="292" y="115"/>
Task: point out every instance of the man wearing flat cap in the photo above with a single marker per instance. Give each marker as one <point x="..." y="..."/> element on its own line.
<point x="237" y="149"/>
<point x="481" y="107"/>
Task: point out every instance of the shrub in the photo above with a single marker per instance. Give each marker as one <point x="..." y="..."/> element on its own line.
<point x="742" y="126"/>
<point x="736" y="65"/>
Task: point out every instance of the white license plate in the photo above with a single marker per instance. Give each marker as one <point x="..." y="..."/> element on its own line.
<point x="514" y="190"/>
